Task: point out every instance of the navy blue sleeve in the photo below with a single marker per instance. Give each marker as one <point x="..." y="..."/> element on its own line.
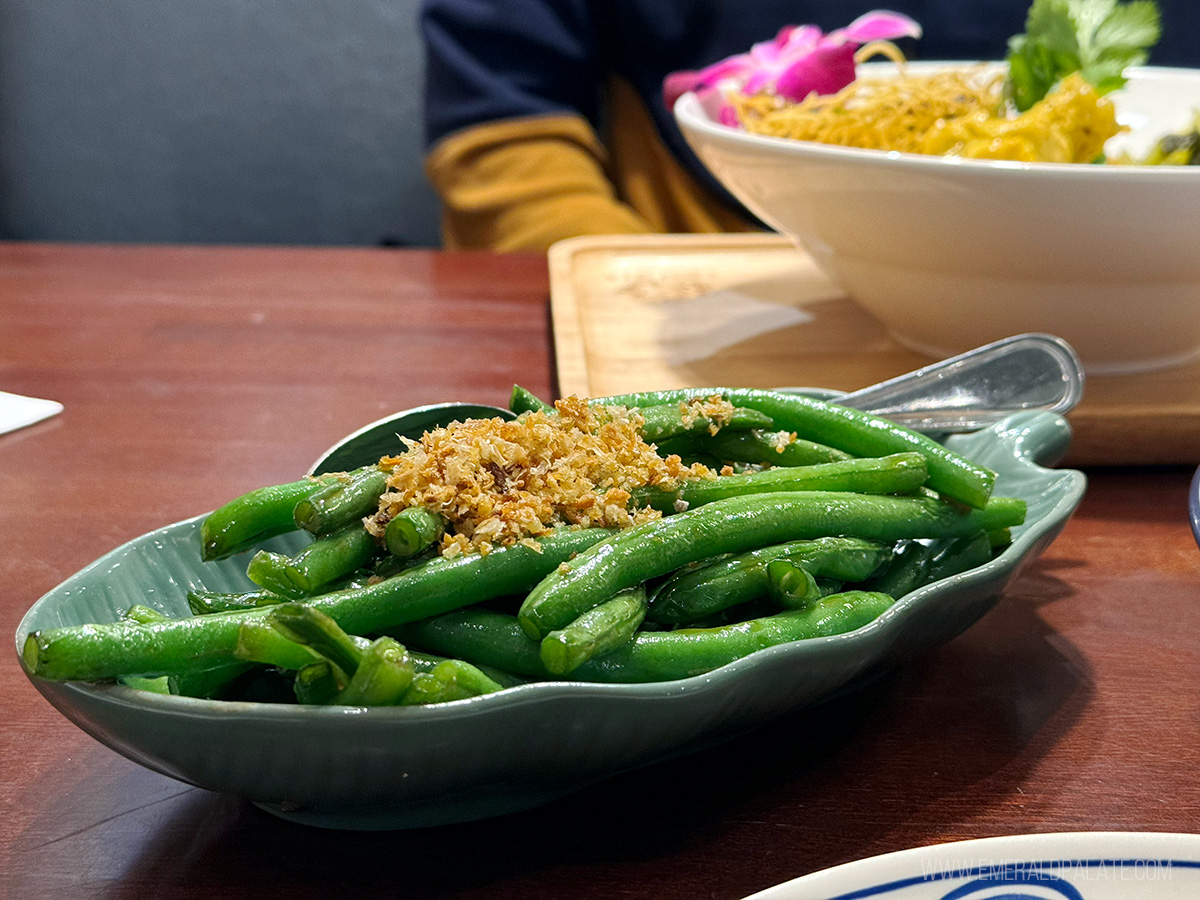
<point x="500" y="59"/>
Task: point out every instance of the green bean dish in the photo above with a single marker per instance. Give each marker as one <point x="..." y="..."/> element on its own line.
<point x="638" y="538"/>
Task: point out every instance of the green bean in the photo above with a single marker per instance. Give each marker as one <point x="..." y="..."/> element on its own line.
<point x="327" y="559"/>
<point x="776" y="448"/>
<point x="412" y="530"/>
<point x="907" y="570"/>
<point x="98" y="652"/>
<point x="268" y="570"/>
<point x="899" y="473"/>
<point x="697" y="593"/>
<point x="1000" y="538"/>
<point x="453" y="679"/>
<point x="158" y="685"/>
<point x="495" y="639"/>
<point x="317" y="684"/>
<point x="961" y="554"/>
<point x="346" y="499"/>
<point x="791" y="586"/>
<point x="426" y="662"/>
<point x="479" y="635"/>
<point x="203" y="603"/>
<point x="919" y="563"/>
<point x="854" y="431"/>
<point x="259" y="642"/>
<point x="596" y="632"/>
<point x="383" y="676"/>
<point x="667" y="655"/>
<point x="737" y="525"/>
<point x="141" y="614"/>
<point x="667" y="420"/>
<point x="314" y="630"/>
<point x="524" y="400"/>
<point x="331" y="557"/>
<point x="253" y="517"/>
<point x="203" y="683"/>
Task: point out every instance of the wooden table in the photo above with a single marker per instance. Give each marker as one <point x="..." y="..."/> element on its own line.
<point x="192" y="374"/>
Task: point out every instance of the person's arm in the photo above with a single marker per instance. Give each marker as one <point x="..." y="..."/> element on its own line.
<point x="510" y="87"/>
<point x="522" y="184"/>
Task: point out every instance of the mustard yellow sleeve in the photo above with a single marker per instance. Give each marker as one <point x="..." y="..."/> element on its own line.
<point x="522" y="184"/>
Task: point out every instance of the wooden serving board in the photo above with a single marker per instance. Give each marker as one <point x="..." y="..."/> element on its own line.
<point x="663" y="311"/>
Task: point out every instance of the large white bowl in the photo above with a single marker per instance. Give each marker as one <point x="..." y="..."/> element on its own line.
<point x="952" y="253"/>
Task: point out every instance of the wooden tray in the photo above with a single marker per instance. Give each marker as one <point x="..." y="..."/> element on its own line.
<point x="654" y="312"/>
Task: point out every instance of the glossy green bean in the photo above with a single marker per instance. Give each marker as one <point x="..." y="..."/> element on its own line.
<point x="268" y="570"/>
<point x="917" y="563"/>
<point x="776" y="448"/>
<point x="317" y="684"/>
<point x="899" y="473"/>
<point x="314" y="630"/>
<point x="98" y="652"/>
<point x="383" y="676"/>
<point x="791" y="586"/>
<point x="410" y="531"/>
<point x="250" y="519"/>
<point x="667" y="420"/>
<point x="735" y="526"/>
<point x="203" y="603"/>
<point x="697" y="593"/>
<point x="426" y="662"/>
<point x="259" y="642"/>
<point x="331" y="557"/>
<point x="524" y="400"/>
<point x="961" y="555"/>
<point x="142" y="614"/>
<point x="853" y="431"/>
<point x="345" y="499"/>
<point x="596" y="632"/>
<point x="492" y="638"/>
<point x="452" y="679"/>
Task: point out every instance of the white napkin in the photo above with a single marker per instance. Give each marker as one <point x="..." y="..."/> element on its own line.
<point x="17" y="411"/>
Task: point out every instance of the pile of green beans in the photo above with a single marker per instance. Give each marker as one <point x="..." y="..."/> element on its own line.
<point x="829" y="517"/>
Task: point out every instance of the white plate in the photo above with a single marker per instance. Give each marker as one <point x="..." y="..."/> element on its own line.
<point x="1074" y="866"/>
<point x="19" y="412"/>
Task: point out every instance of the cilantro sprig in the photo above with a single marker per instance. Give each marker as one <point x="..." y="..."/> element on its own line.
<point x="1097" y="38"/>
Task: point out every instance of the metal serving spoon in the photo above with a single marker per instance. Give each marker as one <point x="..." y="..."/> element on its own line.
<point x="980" y="387"/>
<point x="963" y="393"/>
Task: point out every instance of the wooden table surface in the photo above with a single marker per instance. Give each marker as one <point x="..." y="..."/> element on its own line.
<point x="192" y="374"/>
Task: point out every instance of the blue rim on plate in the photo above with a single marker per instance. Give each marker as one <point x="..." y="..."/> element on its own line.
<point x="1062" y="866"/>
<point x="410" y="767"/>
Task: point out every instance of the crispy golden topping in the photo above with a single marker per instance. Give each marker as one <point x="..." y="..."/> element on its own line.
<point x="498" y="482"/>
<point x="715" y="409"/>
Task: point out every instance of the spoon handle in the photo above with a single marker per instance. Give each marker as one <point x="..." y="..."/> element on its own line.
<point x="978" y="388"/>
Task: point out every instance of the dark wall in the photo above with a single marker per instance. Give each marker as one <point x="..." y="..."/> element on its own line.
<point x="264" y="121"/>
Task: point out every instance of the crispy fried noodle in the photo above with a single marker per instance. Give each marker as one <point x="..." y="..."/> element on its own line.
<point x="958" y="112"/>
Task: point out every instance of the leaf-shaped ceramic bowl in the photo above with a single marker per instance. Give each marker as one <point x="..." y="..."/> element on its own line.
<point x="504" y="752"/>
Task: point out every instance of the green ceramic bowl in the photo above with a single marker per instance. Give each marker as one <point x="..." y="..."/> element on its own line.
<point x="412" y="766"/>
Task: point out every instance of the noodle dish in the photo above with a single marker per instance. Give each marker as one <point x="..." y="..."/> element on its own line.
<point x="959" y="202"/>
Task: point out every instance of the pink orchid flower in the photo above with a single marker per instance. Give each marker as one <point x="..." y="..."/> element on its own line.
<point x="799" y="61"/>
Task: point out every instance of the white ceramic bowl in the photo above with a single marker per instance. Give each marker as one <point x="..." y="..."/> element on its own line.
<point x="951" y="253"/>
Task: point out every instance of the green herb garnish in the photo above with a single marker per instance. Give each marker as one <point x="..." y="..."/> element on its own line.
<point x="1097" y="38"/>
